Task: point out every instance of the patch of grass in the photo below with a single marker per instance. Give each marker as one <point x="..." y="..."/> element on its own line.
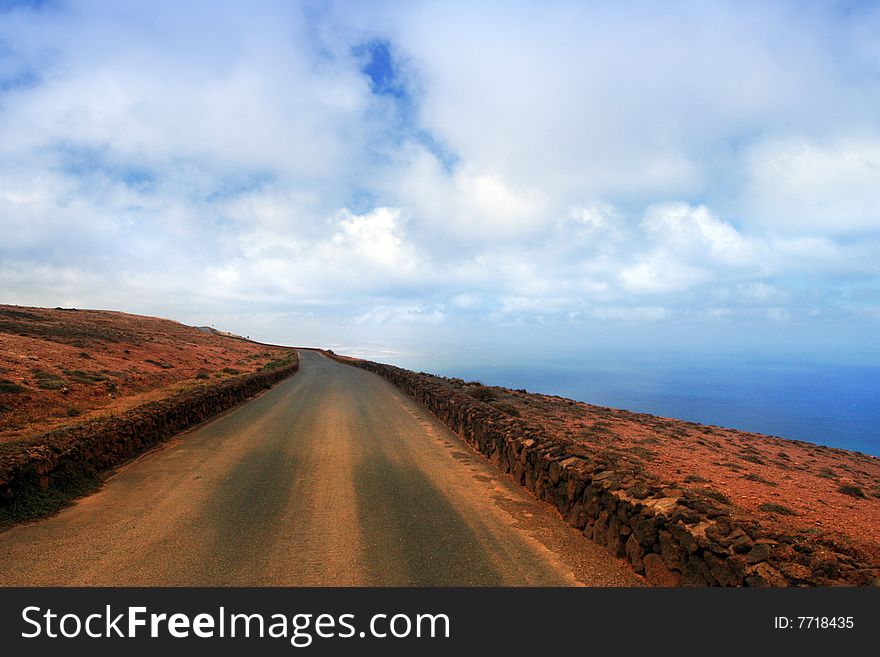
<point x="736" y="467"/>
<point x="85" y="354"/>
<point x="18" y="314"/>
<point x="506" y="408"/>
<point x="827" y="473"/>
<point x="202" y="375"/>
<point x="479" y="391"/>
<point x="285" y="360"/>
<point x="713" y="494"/>
<point x="86" y="378"/>
<point x="72" y="411"/>
<point x="164" y="366"/>
<point x="10" y="387"/>
<point x="5" y="409"/>
<point x="48" y="381"/>
<point x="772" y="507"/>
<point x="47" y="328"/>
<point x="643" y="452"/>
<point x="66" y="483"/>
<point x="695" y="479"/>
<point x="852" y="490"/>
<point x="758" y="478"/>
<point x="231" y="370"/>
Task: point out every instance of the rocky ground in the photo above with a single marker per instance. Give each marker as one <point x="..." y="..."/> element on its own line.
<point x="62" y="366"/>
<point x="787" y="485"/>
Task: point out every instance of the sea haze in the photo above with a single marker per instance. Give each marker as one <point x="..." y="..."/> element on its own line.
<point x="835" y="404"/>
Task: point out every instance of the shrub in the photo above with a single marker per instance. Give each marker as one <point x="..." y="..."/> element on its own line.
<point x="642" y="452"/>
<point x="285" y="360"/>
<point x="79" y="376"/>
<point x="772" y="507"/>
<point x="164" y="366"/>
<point x="758" y="478"/>
<point x="481" y="392"/>
<point x="47" y="380"/>
<point x="852" y="490"/>
<point x="10" y="387"/>
<point x="712" y="494"/>
<point x="506" y="408"/>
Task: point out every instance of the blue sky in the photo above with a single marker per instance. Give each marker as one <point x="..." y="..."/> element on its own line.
<point x="380" y="174"/>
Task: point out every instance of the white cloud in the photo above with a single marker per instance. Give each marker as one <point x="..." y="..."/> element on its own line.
<point x="688" y="247"/>
<point x="558" y="164"/>
<point x="807" y="187"/>
<point x="694" y="232"/>
<point x="631" y="313"/>
<point x="374" y="236"/>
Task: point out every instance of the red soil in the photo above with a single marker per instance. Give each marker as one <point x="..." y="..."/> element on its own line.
<point x="58" y="367"/>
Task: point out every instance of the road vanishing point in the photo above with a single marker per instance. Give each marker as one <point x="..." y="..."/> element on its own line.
<point x="331" y="478"/>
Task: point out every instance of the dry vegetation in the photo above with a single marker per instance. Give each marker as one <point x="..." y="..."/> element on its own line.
<point x="61" y="366"/>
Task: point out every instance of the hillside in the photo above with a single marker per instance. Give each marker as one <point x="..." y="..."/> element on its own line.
<point x="62" y="366"/>
<point x="787" y="485"/>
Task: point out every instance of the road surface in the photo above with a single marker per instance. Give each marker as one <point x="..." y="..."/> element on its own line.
<point x="333" y="477"/>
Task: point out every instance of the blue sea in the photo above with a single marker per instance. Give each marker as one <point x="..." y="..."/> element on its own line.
<point x="829" y="403"/>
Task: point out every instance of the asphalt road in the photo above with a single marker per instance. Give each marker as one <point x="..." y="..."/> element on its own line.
<point x="332" y="478"/>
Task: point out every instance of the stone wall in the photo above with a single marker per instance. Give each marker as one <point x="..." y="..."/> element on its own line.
<point x="36" y="475"/>
<point x="673" y="537"/>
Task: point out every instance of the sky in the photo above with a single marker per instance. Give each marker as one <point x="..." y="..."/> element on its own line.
<point x="400" y="174"/>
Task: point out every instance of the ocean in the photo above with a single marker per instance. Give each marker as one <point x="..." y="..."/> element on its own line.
<point x="828" y="403"/>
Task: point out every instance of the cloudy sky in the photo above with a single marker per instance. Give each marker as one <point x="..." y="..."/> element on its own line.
<point x="365" y="173"/>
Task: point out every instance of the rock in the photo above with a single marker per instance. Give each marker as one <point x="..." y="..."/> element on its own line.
<point x="644" y="527"/>
<point x="760" y="552"/>
<point x="555" y="471"/>
<point x="737" y="565"/>
<point x="658" y="573"/>
<point x="722" y="570"/>
<point x="742" y="544"/>
<point x="796" y="572"/>
<point x="614" y="541"/>
<point x="719" y="530"/>
<point x="696" y="573"/>
<point x="764" y="575"/>
<point x="576" y="517"/>
<point x="672" y="552"/>
<point x="635" y="552"/>
<point x="639" y="491"/>
<point x="684" y="537"/>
